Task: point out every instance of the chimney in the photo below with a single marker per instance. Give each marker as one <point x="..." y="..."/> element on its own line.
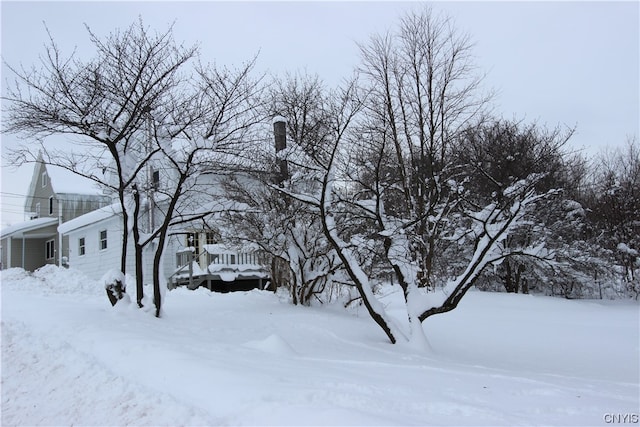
<point x="280" y="136"/>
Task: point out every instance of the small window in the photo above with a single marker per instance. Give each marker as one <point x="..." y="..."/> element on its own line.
<point x="210" y="238"/>
<point x="193" y="239"/>
<point x="156" y="180"/>
<point x="44" y="179"/>
<point x="37" y="210"/>
<point x="50" y="249"/>
<point x="51" y="205"/>
<point x="103" y="239"/>
<point x="81" y="246"/>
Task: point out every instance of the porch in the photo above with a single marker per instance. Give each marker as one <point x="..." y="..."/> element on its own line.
<point x="220" y="269"/>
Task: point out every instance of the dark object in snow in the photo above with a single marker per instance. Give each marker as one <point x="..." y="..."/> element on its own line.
<point x="115" y="292"/>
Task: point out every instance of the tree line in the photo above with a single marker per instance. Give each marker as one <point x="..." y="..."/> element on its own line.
<point x="400" y="175"/>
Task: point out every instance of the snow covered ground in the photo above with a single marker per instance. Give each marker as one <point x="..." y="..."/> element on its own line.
<point x="69" y="358"/>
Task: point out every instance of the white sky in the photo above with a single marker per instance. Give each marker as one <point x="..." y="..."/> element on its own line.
<point x="573" y="63"/>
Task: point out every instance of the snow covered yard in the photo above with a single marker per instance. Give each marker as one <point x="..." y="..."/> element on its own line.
<point x="69" y="358"/>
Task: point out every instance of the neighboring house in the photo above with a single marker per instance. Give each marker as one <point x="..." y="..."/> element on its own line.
<point x="55" y="196"/>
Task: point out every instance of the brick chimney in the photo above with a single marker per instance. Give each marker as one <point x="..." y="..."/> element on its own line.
<point x="280" y="136"/>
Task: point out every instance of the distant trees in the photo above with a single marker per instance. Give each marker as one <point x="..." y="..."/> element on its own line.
<point x="614" y="210"/>
<point x="495" y="156"/>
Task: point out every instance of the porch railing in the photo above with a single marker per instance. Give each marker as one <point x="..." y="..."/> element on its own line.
<point x="231" y="259"/>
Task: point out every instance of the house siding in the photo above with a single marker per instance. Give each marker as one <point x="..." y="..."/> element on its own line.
<point x="69" y="206"/>
<point x="34" y="253"/>
<point x="41" y="194"/>
<point x="95" y="262"/>
<point x="5" y="248"/>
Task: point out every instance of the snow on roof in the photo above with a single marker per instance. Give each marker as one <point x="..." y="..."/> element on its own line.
<point x="25" y="226"/>
<point x="65" y="181"/>
<point x="90" y="218"/>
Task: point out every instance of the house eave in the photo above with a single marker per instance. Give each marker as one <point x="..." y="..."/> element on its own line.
<point x="32" y="229"/>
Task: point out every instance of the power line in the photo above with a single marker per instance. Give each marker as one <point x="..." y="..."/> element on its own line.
<point x="15" y="195"/>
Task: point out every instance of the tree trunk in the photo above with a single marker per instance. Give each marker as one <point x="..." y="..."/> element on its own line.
<point x="138" y="248"/>
<point x="157" y="262"/>
<point x="125" y="234"/>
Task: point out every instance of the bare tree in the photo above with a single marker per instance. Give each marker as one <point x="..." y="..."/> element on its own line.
<point x="104" y="102"/>
<point x="138" y="107"/>
<point x="203" y="140"/>
<point x="286" y="228"/>
<point x="424" y="93"/>
<point x="390" y="184"/>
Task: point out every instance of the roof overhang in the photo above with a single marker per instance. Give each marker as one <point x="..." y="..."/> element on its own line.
<point x="34" y="229"/>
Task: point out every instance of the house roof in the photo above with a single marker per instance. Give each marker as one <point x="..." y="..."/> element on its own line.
<point x="90" y="218"/>
<point x="30" y="227"/>
<point x="64" y="181"/>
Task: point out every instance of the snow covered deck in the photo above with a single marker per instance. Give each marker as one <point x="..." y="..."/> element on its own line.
<point x="226" y="270"/>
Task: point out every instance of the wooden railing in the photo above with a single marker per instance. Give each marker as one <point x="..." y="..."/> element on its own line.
<point x="224" y="258"/>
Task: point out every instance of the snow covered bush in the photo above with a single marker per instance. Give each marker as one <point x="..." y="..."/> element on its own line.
<point x="115" y="284"/>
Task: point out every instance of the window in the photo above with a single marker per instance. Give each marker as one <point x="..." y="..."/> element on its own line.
<point x="51" y="205"/>
<point x="156" y="179"/>
<point x="50" y="249"/>
<point x="103" y="239"/>
<point x="193" y="239"/>
<point x="37" y="210"/>
<point x="44" y="179"/>
<point x="210" y="238"/>
<point x="81" y="246"/>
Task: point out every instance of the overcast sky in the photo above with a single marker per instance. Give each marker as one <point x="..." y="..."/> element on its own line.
<point x="567" y="63"/>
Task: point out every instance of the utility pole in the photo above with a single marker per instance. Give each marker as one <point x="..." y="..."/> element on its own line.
<point x="150" y="182"/>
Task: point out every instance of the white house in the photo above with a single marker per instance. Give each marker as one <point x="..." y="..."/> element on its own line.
<point x="194" y="255"/>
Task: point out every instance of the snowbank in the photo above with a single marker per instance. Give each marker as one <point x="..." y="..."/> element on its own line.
<point x="51" y="279"/>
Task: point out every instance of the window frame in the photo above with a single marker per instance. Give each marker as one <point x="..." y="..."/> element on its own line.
<point x="82" y="246"/>
<point x="43" y="179"/>
<point x="210" y="238"/>
<point x="155" y="179"/>
<point x="38" y="210"/>
<point x="50" y="249"/>
<point x="103" y="240"/>
<point x="50" y="205"/>
<point x="195" y="243"/>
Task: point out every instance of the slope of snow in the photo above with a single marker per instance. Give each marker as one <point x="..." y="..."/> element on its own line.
<point x="91" y="218"/>
<point x="248" y="358"/>
<point x="67" y="182"/>
<point x="28" y="225"/>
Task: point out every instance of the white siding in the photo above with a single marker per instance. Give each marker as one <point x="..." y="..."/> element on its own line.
<point x="95" y="262"/>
